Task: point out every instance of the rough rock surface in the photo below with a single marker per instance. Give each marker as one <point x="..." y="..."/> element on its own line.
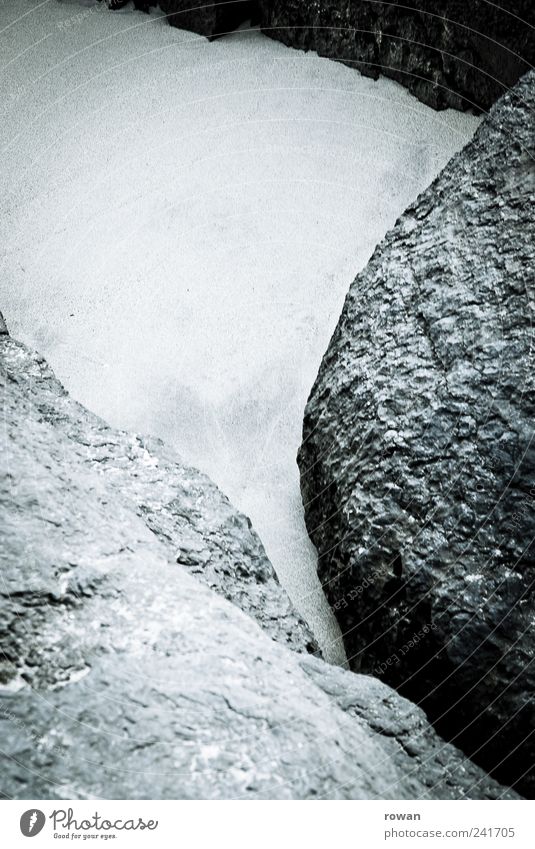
<point x="124" y="677"/>
<point x="209" y="19"/>
<point x="181" y="506"/>
<point x="447" y="52"/>
<point x="417" y="462"/>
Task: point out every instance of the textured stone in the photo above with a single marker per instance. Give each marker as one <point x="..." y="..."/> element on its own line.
<point x="179" y="505"/>
<point x="209" y="19"/>
<point x="447" y="52"/>
<point x="125" y="677"/>
<point x="417" y="463"/>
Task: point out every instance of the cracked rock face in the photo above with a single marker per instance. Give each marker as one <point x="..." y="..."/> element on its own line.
<point x="417" y="462"/>
<point x="449" y="53"/>
<point x="124" y="676"/>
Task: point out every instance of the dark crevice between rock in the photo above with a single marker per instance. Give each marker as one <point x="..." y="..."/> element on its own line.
<point x="212" y="20"/>
<point x="397" y="566"/>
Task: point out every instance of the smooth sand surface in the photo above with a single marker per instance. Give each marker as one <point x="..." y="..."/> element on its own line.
<point x="180" y="223"/>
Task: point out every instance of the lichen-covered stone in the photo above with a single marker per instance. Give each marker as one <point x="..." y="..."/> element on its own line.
<point x="447" y="52"/>
<point x="125" y="677"/>
<point x="417" y="462"/>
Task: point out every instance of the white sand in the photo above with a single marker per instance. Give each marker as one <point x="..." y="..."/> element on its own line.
<point x="180" y="223"/>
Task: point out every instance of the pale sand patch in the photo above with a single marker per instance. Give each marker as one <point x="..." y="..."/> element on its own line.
<point x="180" y="223"/>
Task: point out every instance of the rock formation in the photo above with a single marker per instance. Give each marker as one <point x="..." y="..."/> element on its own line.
<point x="125" y="677"/>
<point x="417" y="462"/>
<point x="447" y="52"/>
<point x="209" y="19"/>
<point x="179" y="505"/>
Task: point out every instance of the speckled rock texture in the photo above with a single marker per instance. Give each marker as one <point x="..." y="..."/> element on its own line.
<point x="447" y="52"/>
<point x="179" y="505"/>
<point x="209" y="19"/>
<point x="417" y="462"/>
<point x="125" y="677"/>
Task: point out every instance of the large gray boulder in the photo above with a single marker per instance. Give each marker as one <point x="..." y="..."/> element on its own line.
<point x="447" y="52"/>
<point x="125" y="677"/>
<point x="187" y="513"/>
<point x="417" y="462"/>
